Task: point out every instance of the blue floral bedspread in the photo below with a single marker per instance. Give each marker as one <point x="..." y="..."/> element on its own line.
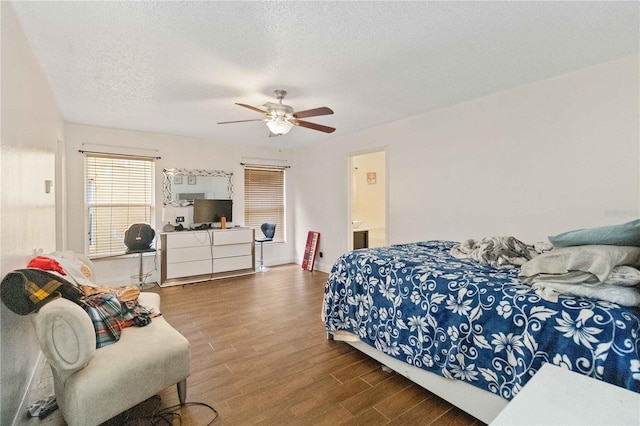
<point x="465" y="321"/>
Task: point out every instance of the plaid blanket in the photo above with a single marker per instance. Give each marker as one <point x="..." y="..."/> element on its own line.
<point x="111" y="315"/>
<point x="24" y="291"/>
<point x="107" y="316"/>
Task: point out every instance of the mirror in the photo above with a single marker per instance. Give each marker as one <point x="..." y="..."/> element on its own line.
<point x="182" y="186"/>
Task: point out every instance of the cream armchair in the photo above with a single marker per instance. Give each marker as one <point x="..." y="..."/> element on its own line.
<point x="93" y="385"/>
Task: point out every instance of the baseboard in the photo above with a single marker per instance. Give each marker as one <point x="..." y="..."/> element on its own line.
<point x="275" y="262"/>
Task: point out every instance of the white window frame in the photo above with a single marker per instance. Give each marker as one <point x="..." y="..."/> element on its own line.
<point x="117" y="211"/>
<point x="259" y="207"/>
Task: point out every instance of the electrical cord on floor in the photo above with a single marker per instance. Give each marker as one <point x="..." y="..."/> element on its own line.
<point x="170" y="413"/>
<point x="156" y="416"/>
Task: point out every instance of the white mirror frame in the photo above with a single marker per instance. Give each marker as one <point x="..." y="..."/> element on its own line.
<point x="169" y="174"/>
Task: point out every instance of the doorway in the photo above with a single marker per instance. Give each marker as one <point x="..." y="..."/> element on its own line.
<point x="368" y="200"/>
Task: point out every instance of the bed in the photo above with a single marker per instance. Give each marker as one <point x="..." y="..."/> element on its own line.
<point x="471" y="333"/>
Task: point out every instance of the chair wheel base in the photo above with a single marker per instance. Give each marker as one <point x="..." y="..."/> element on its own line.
<point x="262" y="268"/>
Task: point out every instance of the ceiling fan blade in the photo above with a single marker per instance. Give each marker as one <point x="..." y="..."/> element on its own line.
<point x="313" y="112"/>
<point x="240" y="121"/>
<point x="314" y="126"/>
<point x="261" y="111"/>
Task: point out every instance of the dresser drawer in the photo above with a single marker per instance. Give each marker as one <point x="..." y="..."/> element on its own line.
<point x="185" y="269"/>
<point x="231" y="250"/>
<point x="186" y="254"/>
<point x="232" y="263"/>
<point x="188" y="239"/>
<point x="232" y="236"/>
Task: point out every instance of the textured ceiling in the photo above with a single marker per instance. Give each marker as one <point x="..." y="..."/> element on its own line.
<point x="178" y="67"/>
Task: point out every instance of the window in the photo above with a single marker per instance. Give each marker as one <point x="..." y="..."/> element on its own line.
<point x="264" y="198"/>
<point x="119" y="192"/>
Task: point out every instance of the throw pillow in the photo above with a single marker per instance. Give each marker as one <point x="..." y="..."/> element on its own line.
<point x="626" y="234"/>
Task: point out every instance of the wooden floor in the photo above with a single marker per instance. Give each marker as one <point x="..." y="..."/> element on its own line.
<point x="260" y="356"/>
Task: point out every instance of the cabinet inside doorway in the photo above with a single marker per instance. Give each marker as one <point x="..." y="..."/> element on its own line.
<point x="360" y="239"/>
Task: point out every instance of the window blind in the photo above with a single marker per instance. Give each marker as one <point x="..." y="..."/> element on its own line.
<point x="119" y="192"/>
<point x="264" y="200"/>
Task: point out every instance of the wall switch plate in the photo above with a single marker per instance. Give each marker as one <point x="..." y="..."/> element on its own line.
<point x="179" y="219"/>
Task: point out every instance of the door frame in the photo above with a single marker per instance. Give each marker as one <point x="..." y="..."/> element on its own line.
<point x="350" y="194"/>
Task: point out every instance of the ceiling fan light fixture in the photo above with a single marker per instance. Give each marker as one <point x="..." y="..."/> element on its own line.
<point x="280" y="118"/>
<point x="279" y="126"/>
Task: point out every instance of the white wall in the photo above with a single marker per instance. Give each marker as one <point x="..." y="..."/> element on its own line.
<point x="547" y="157"/>
<point x="176" y="152"/>
<point x="31" y="127"/>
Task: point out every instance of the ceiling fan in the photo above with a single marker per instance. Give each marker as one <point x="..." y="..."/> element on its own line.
<point x="280" y="118"/>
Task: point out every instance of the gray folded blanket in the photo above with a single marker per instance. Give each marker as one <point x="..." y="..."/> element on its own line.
<point x="579" y="264"/>
<point x="499" y="252"/>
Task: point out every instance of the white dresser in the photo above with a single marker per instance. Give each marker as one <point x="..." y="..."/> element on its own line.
<point x="193" y="256"/>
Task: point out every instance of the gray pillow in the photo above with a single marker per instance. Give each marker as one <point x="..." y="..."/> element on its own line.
<point x="627" y="234"/>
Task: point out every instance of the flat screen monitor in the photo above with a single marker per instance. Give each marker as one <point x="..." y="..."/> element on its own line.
<point x="210" y="211"/>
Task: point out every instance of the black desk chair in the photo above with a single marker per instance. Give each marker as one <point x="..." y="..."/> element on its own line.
<point x="269" y="230"/>
<point x="138" y="239"/>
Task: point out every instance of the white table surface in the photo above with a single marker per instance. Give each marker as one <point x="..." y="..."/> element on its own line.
<point x="555" y="396"/>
